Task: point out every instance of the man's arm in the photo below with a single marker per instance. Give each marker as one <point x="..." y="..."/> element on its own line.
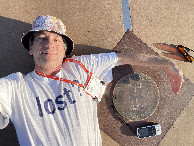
<point x="174" y="73"/>
<point x="142" y="59"/>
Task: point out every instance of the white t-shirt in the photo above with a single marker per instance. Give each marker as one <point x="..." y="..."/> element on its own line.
<point x="50" y="112"/>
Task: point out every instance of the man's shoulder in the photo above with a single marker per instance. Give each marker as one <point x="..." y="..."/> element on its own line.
<point x="95" y="57"/>
<point x="14" y="76"/>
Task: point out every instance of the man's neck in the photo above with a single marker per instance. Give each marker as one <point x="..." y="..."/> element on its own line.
<point x="48" y="71"/>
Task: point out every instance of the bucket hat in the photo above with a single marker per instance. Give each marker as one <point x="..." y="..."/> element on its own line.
<point x="48" y="23"/>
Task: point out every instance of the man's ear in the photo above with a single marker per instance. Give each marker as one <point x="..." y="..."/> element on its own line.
<point x="30" y="50"/>
<point x="65" y="51"/>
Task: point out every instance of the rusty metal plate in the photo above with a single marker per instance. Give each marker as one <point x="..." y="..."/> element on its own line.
<point x="135" y="97"/>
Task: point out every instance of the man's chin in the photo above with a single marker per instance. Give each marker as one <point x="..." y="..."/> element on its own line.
<point x="48" y="60"/>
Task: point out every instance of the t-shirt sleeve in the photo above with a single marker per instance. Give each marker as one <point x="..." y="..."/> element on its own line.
<point x="5" y="102"/>
<point x="6" y="93"/>
<point x="99" y="64"/>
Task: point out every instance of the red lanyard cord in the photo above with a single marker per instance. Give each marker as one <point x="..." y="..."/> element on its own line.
<point x="72" y="60"/>
<point x="65" y="80"/>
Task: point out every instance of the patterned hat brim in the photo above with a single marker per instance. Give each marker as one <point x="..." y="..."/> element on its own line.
<point x="26" y="37"/>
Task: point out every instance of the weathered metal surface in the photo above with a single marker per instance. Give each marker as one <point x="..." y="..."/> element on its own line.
<point x="136" y="97"/>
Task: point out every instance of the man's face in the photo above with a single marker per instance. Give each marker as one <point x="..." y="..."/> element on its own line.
<point x="48" y="49"/>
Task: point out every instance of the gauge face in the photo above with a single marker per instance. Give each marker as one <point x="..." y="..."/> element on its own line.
<point x="135" y="97"/>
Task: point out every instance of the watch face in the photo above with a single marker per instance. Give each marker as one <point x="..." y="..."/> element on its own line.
<point x="135" y="97"/>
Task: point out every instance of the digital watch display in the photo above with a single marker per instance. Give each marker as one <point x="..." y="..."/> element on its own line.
<point x="149" y="131"/>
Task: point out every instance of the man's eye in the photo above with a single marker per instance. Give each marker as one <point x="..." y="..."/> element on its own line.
<point x="57" y="40"/>
<point x="42" y="38"/>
